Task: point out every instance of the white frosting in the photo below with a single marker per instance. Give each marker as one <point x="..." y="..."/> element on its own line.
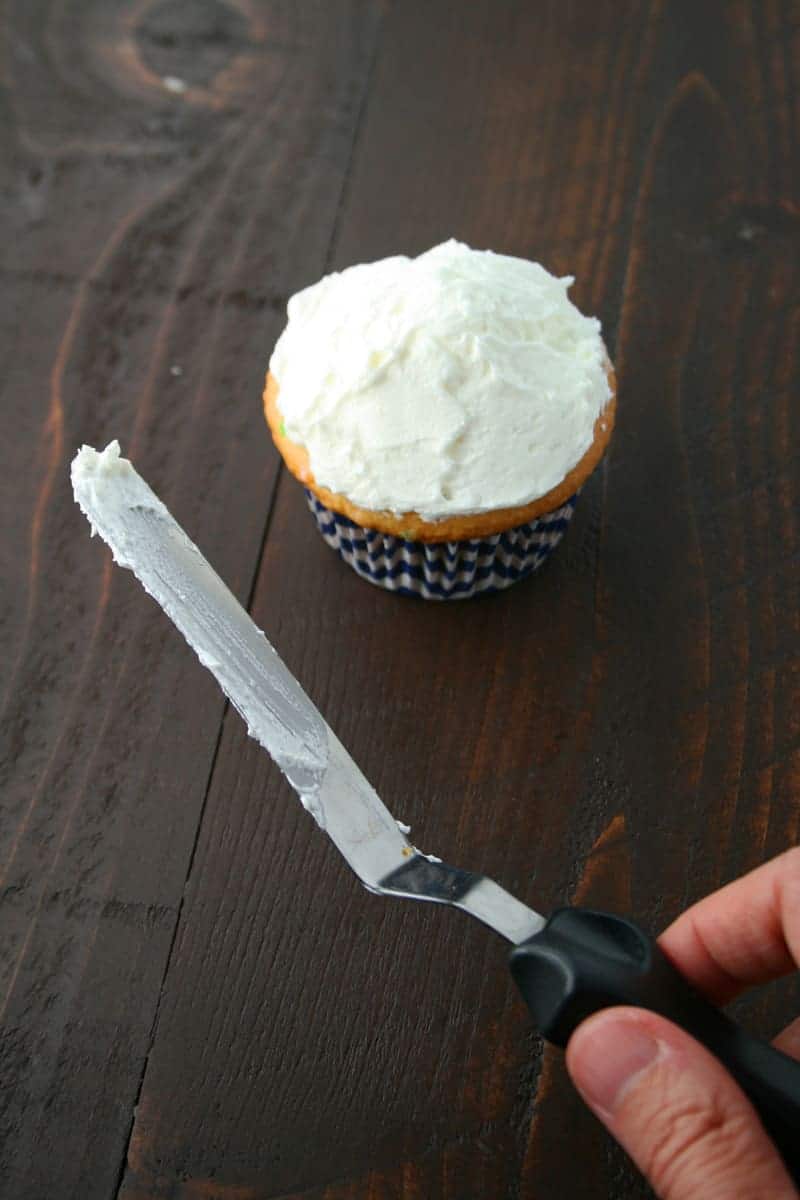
<point x="103" y="481"/>
<point x="144" y="537"/>
<point x="460" y="381"/>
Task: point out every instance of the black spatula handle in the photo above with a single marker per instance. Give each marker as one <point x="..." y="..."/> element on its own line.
<point x="584" y="961"/>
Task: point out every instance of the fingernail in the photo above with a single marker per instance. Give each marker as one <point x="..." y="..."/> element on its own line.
<point x="608" y="1056"/>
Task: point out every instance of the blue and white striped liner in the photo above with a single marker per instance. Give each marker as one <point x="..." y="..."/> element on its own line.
<point x="443" y="570"/>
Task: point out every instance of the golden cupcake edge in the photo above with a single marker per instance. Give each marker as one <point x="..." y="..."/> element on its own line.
<point x="410" y="525"/>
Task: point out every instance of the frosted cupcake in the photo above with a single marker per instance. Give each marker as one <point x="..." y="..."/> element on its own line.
<point x="443" y="413"/>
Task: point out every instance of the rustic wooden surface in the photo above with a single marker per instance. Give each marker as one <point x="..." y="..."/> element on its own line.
<point x="198" y="1001"/>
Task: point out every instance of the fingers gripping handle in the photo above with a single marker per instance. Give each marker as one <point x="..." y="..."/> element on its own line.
<point x="584" y="961"/>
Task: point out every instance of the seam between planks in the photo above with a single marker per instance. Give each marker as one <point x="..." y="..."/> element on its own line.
<point x="332" y="243"/>
<point x="358" y="129"/>
<point x="206" y="792"/>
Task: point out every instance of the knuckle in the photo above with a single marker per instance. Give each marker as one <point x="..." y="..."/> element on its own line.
<point x="697" y="1132"/>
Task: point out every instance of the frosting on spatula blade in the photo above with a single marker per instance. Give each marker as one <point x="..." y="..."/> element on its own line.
<point x="144" y="537"/>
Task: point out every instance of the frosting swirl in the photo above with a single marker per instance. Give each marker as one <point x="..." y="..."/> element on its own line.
<point x="460" y="381"/>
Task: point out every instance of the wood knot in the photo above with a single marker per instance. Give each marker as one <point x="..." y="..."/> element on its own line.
<point x="189" y="42"/>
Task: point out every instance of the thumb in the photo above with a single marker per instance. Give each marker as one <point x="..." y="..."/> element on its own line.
<point x="675" y="1109"/>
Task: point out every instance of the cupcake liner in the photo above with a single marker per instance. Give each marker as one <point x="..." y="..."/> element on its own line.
<point x="443" y="570"/>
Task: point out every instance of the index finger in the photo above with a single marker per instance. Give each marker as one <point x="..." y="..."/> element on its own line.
<point x="746" y="933"/>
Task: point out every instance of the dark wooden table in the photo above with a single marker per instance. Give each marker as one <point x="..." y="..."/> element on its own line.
<point x="198" y="1000"/>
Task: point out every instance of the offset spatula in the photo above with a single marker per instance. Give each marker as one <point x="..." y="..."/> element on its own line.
<point x="566" y="966"/>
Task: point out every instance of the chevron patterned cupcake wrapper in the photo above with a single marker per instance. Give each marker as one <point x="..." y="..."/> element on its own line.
<point x="443" y="570"/>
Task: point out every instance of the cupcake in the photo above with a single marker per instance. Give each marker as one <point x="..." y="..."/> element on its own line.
<point x="442" y="413"/>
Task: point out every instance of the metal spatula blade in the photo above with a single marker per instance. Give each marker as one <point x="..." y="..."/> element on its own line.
<point x="144" y="537"/>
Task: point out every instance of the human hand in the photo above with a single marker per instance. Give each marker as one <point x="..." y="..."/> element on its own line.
<point x="666" y="1099"/>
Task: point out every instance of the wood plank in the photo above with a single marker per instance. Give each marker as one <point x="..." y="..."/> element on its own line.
<point x="313" y="1041"/>
<point x="153" y="238"/>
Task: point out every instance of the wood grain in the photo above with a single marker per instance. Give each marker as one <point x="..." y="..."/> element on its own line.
<point x="200" y="1003"/>
<point x="147" y="287"/>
